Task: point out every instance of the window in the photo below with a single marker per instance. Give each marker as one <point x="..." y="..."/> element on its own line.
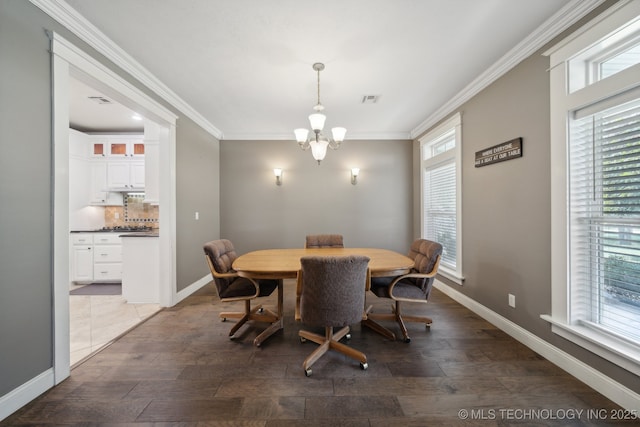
<point x="604" y="219"/>
<point x="595" y="196"/>
<point x="440" y="172"/>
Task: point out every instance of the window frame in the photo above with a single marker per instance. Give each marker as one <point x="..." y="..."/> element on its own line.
<point x="427" y="141"/>
<point x="565" y="99"/>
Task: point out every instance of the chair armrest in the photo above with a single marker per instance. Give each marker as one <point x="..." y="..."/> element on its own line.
<point x="224" y="275"/>
<point x="429" y="275"/>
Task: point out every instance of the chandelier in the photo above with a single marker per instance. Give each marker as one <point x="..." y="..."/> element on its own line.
<point x="318" y="142"/>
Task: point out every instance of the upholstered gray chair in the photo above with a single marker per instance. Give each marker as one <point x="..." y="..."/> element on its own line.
<point x="412" y="287"/>
<point x="315" y="241"/>
<point x="220" y="255"/>
<point x="324" y="241"/>
<point x="333" y="291"/>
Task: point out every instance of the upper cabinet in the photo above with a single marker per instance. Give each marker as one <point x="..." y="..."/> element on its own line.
<point x="98" y="149"/>
<point x="134" y="148"/>
<point x="117" y="146"/>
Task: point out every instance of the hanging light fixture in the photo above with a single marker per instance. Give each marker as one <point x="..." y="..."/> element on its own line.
<point x="318" y="142"/>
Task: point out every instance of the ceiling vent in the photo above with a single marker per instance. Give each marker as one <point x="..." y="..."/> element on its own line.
<point x="370" y="99"/>
<point x="100" y="99"/>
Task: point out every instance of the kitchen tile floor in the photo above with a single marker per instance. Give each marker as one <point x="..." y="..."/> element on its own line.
<point x="96" y="320"/>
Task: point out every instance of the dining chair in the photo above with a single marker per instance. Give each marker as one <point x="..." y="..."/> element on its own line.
<point x="324" y="241"/>
<point x="220" y="255"/>
<point x="315" y="241"/>
<point x="414" y="286"/>
<point x="333" y="295"/>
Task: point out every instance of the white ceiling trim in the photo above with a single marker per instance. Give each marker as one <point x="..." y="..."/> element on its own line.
<point x="559" y="22"/>
<point x="89" y="33"/>
<point x="76" y="23"/>
<point x="239" y="136"/>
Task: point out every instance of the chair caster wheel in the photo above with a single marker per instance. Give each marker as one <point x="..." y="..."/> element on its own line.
<point x="261" y="310"/>
<point x="407" y="340"/>
<point x="224" y="319"/>
<point x="303" y="340"/>
<point x="307" y="372"/>
<point x="348" y="336"/>
<point x="364" y="366"/>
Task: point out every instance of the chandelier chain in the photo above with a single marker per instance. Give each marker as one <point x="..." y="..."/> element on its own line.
<point x="318" y="86"/>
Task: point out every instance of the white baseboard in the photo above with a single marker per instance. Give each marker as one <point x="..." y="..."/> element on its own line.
<point x="613" y="390"/>
<point x="192" y="288"/>
<point x="17" y="398"/>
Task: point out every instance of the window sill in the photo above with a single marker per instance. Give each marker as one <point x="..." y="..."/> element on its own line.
<point x="616" y="351"/>
<point x="450" y="274"/>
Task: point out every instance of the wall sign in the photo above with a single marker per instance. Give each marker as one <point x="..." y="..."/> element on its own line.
<point x="499" y="153"/>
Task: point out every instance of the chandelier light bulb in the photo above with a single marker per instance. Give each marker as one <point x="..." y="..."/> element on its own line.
<point x="301" y="135"/>
<point x="317" y="141"/>
<point x="317" y="121"/>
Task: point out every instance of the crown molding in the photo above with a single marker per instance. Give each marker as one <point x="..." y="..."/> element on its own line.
<point x="67" y="16"/>
<point x="288" y="136"/>
<point x="552" y="27"/>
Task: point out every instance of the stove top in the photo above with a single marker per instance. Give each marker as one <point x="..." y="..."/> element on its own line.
<point x="127" y="228"/>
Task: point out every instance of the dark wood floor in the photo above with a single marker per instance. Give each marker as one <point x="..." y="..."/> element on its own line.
<point x="180" y="367"/>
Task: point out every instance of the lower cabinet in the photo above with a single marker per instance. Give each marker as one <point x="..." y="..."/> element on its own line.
<point x="82" y="257"/>
<point x="96" y="257"/>
<point x="107" y="257"/>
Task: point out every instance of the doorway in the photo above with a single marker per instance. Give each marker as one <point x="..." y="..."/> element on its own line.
<point x="67" y="62"/>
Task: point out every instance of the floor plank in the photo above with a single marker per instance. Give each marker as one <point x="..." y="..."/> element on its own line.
<point x="180" y="367"/>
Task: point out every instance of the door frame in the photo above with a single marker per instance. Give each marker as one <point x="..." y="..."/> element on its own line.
<point x="67" y="61"/>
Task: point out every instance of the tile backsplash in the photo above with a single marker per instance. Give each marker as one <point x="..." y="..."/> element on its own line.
<point x="134" y="212"/>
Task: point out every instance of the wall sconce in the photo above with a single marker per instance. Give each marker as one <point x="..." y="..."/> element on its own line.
<point x="278" y="173"/>
<point x="354" y="175"/>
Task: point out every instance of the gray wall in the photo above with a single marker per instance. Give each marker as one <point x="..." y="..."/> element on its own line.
<point x="257" y="214"/>
<point x="197" y="190"/>
<point x="26" y="342"/>
<point x="26" y="337"/>
<point x="506" y="207"/>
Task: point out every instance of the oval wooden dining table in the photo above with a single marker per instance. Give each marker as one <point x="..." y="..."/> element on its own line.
<point x="285" y="264"/>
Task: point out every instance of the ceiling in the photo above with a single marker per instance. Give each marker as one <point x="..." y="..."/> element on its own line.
<point x="246" y="65"/>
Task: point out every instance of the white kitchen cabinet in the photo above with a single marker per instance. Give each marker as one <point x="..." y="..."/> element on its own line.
<point x="82" y="257"/>
<point x="141" y="269"/>
<point x="126" y="148"/>
<point x="107" y="257"/>
<point x="96" y="257"/>
<point x="99" y="148"/>
<point x="152" y="162"/>
<point x="116" y="146"/>
<point x="137" y="175"/>
<point x="99" y="194"/>
<point x="125" y="175"/>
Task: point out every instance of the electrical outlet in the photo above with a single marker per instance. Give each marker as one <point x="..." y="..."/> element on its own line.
<point x="512" y="300"/>
<point x="116" y="215"/>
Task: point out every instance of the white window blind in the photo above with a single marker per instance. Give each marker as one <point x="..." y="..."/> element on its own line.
<point x="604" y="217"/>
<point x="440" y="209"/>
<point x="440" y="151"/>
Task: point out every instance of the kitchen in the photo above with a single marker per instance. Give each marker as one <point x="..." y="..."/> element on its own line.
<point x="113" y="220"/>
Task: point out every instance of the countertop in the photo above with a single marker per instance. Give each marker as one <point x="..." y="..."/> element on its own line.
<point x="123" y="233"/>
<point x="141" y="234"/>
